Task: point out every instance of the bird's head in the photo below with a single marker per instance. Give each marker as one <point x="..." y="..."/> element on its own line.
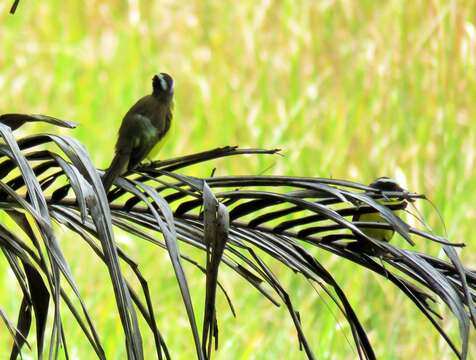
<point x="163" y="86"/>
<point x="386" y="184"/>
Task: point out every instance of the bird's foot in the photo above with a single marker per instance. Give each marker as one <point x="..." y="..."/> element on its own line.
<point x="146" y="163"/>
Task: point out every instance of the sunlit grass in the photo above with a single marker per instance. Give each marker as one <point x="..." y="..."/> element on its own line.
<point x="347" y="89"/>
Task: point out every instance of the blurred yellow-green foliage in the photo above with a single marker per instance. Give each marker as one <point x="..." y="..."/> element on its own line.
<point x="348" y="89"/>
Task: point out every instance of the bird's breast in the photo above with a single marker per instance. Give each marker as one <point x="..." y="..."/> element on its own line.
<point x="160" y="143"/>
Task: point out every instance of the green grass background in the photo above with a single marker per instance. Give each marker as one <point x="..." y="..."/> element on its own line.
<point x="348" y="89"/>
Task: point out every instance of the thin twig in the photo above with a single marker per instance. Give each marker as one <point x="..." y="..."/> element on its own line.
<point x="14" y="7"/>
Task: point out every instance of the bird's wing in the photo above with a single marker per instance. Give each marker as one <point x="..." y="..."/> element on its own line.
<point x="143" y="139"/>
<point x="144" y="125"/>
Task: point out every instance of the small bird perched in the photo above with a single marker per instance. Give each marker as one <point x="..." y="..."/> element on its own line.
<point x="384" y="184"/>
<point x="143" y="129"/>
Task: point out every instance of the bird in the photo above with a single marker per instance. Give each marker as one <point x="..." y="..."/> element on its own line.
<point x="382" y="184"/>
<point x="143" y="129"/>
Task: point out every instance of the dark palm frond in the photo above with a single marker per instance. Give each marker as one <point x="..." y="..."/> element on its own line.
<point x="216" y="226"/>
<point x="233" y="219"/>
<point x="14" y="121"/>
<point x="19" y="340"/>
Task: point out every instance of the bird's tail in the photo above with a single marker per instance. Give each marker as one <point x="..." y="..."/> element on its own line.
<point x="118" y="167"/>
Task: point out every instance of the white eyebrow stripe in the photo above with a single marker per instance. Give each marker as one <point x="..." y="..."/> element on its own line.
<point x="388" y="181"/>
<point x="163" y="83"/>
